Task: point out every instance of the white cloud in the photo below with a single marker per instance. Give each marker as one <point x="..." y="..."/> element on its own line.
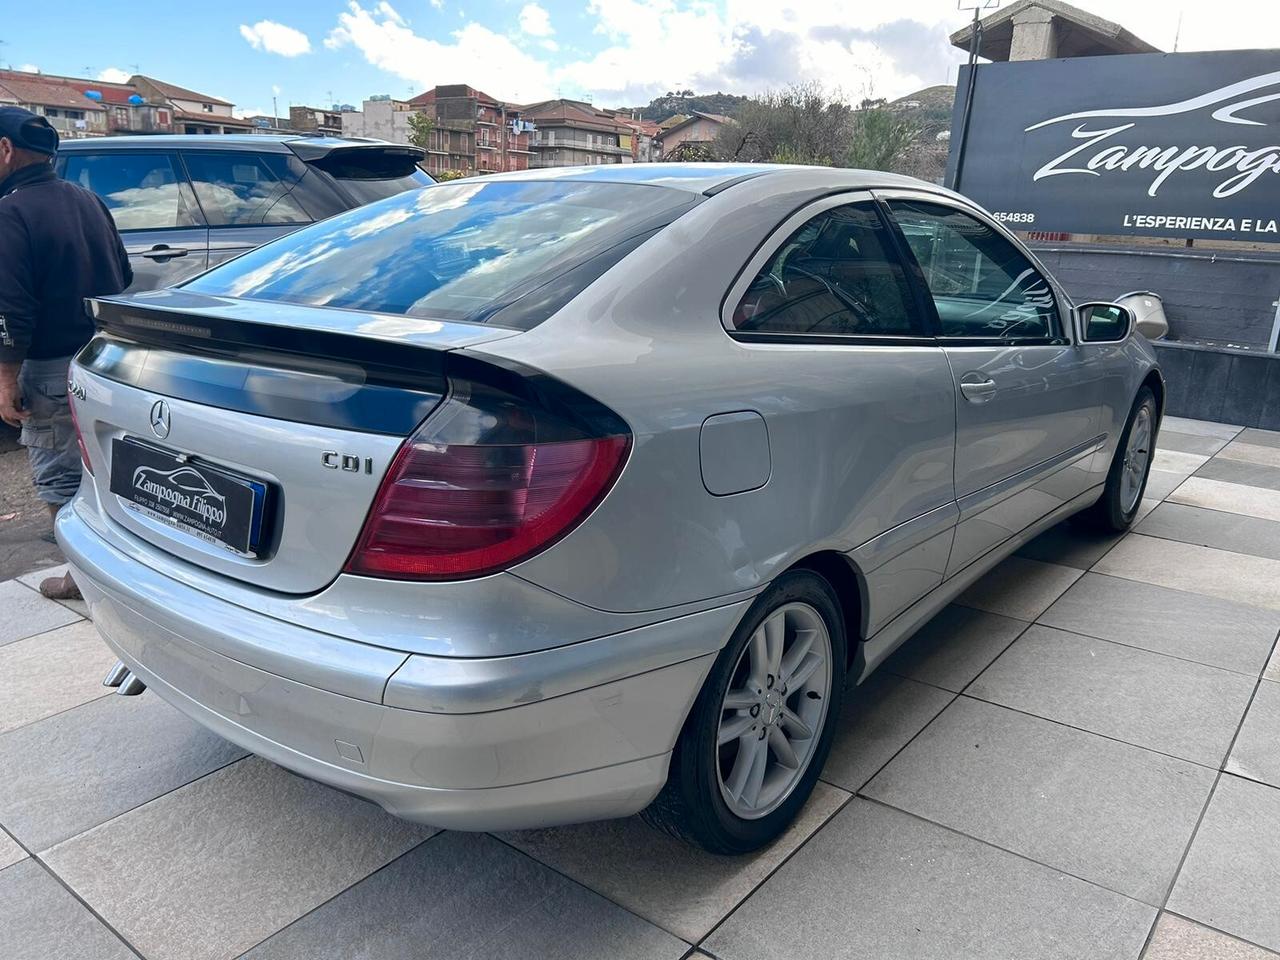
<point x="473" y="54"/>
<point x="535" y="21"/>
<point x="114" y="75"/>
<point x="28" y="68"/>
<point x="277" y="38"/>
<point x="390" y="12"/>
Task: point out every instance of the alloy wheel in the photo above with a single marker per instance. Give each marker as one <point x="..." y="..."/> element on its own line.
<point x="772" y="714"/>
<point x="1137" y="457"/>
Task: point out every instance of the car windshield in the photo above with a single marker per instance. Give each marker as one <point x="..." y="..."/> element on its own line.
<point x="458" y="251"/>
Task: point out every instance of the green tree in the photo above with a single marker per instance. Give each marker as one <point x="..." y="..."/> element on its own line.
<point x="800" y="124"/>
<point x="879" y="139"/>
<point x="421" y="127"/>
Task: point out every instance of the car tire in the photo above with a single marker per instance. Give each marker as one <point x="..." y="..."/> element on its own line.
<point x="1130" y="467"/>
<point x="760" y="691"/>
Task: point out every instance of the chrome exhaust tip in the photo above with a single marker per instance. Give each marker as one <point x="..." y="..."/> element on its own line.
<point x="115" y="676"/>
<point x="131" y="686"/>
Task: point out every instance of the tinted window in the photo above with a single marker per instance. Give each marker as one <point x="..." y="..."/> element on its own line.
<point x="835" y="275"/>
<point x="981" y="284"/>
<point x="373" y="174"/>
<point x="245" y="188"/>
<point x="140" y="189"/>
<point x="367" y="189"/>
<point x="459" y="251"/>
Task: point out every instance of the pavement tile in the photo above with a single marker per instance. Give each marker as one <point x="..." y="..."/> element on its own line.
<point x="681" y="888"/>
<point x="33" y="579"/>
<point x="1070" y="544"/>
<point x="26" y="613"/>
<point x="1231" y="878"/>
<point x="954" y="647"/>
<point x="1173" y="706"/>
<point x="1160" y="484"/>
<point x="1213" y="528"/>
<point x="40" y="920"/>
<point x="10" y="852"/>
<point x="1220" y="633"/>
<point x="1173" y="461"/>
<point x="879" y="883"/>
<point x="1273" y="668"/>
<point x="1176" y="441"/>
<point x="84" y="766"/>
<point x="1261" y="438"/>
<point x="878" y="720"/>
<point x="1178" y="939"/>
<point x="1200" y="428"/>
<point x="1261" y="475"/>
<point x="468" y="897"/>
<point x="1019" y="588"/>
<point x="207" y="871"/>
<point x="1103" y="811"/>
<point x="1196" y="569"/>
<point x="1229" y="497"/>
<point x="1250" y="453"/>
<point x="1256" y="753"/>
<point x="52" y="672"/>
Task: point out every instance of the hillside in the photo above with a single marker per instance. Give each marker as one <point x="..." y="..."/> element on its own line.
<point x="686" y="101"/>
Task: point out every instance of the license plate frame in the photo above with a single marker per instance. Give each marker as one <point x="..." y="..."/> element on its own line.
<point x="213" y="504"/>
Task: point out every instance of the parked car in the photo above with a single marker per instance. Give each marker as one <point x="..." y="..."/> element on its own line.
<point x="565" y="494"/>
<point x="186" y="203"/>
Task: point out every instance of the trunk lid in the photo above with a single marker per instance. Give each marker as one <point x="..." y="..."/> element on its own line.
<point x="249" y="437"/>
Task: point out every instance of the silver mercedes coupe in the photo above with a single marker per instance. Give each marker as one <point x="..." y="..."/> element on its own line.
<point x="567" y="494"/>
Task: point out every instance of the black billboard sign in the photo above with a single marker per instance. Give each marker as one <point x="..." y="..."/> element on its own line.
<point x="1179" y="144"/>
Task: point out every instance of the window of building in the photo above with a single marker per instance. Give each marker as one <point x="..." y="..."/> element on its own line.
<point x="207" y="107"/>
<point x="835" y="276"/>
<point x="140" y="189"/>
<point x="245" y="188"/>
<point x="981" y="284"/>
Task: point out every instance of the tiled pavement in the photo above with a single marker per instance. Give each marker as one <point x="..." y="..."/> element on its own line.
<point x="1080" y="759"/>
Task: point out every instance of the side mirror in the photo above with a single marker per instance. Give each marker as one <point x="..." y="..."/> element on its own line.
<point x="1104" y="322"/>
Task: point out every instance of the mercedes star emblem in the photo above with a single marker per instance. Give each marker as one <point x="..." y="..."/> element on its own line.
<point x="160" y="419"/>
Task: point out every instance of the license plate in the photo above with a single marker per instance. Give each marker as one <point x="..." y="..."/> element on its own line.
<point x="216" y="505"/>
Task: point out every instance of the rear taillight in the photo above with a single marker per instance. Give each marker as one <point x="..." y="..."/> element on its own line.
<point x="84" y="451"/>
<point x="490" y="478"/>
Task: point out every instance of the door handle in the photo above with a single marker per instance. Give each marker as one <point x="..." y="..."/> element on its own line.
<point x="977" y="388"/>
<point x="164" y="252"/>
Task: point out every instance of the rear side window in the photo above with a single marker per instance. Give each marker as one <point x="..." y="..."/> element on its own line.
<point x="142" y="190"/>
<point x="981" y="284"/>
<point x="459" y="251"/>
<point x="239" y="189"/>
<point x="835" y="276"/>
<point x="369" y="174"/>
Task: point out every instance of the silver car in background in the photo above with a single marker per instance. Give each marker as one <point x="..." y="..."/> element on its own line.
<point x="567" y="494"/>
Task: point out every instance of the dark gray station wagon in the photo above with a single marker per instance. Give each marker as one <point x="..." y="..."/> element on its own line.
<point x="187" y="203"/>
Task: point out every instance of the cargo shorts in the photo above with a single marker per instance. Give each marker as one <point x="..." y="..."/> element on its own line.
<point x="48" y="433"/>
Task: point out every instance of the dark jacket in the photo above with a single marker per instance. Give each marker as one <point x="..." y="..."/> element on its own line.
<point x="58" y="245"/>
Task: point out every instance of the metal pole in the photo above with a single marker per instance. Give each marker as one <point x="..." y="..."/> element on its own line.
<point x="975" y="40"/>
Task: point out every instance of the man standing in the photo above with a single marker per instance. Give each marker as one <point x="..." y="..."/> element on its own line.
<point x="58" y="245"/>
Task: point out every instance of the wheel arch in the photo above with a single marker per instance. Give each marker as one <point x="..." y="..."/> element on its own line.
<point x="851" y="590"/>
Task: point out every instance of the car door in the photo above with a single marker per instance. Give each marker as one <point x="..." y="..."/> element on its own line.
<point x="247" y="197"/>
<point x="154" y="209"/>
<point x="856" y="395"/>
<point x="1026" y="417"/>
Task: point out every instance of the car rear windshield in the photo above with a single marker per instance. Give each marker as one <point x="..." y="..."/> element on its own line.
<point x="369" y="173"/>
<point x="467" y="250"/>
<point x="368" y="189"/>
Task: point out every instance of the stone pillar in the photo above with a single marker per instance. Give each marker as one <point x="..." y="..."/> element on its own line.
<point x="1035" y="35"/>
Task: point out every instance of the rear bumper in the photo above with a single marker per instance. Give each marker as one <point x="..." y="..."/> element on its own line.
<point x="499" y="743"/>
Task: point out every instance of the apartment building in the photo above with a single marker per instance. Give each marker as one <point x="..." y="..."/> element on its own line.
<point x="192" y="112"/>
<point x="574" y="133"/>
<point x="326" y="123"/>
<point x="78" y="107"/>
<point x="498" y="133"/>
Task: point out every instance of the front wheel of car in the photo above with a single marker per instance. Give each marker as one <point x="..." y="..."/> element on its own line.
<point x="1130" y="466"/>
<point x="760" y="730"/>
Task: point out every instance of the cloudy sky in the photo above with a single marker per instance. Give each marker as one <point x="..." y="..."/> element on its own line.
<point x="613" y="52"/>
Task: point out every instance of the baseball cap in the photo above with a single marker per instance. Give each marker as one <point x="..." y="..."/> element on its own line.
<point x="28" y="130"/>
